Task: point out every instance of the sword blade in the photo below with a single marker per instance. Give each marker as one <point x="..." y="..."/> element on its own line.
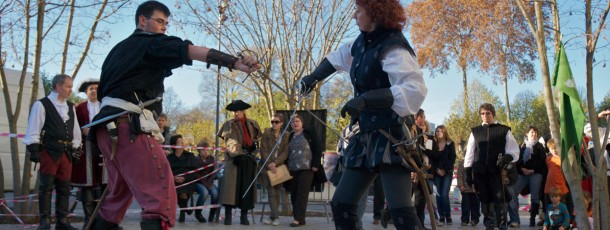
<point x="104" y="119"/>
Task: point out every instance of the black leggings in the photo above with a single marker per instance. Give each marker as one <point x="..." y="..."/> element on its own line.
<point x="396" y="182"/>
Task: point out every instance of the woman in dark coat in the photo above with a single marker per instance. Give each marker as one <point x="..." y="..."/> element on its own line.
<point x="182" y="161"/>
<point x="304" y="160"/>
<point x="442" y="161"/>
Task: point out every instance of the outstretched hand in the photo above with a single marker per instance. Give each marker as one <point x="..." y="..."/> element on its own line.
<point x="247" y="64"/>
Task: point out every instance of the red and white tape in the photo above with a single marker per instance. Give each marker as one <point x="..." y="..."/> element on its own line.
<point x="12" y="135"/>
<point x="193" y="181"/>
<point x="196" y="170"/>
<point x="190" y="147"/>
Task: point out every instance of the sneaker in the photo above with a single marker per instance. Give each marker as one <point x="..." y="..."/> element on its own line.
<point x="375" y="221"/>
<point x="268" y="221"/>
<point x="448" y="220"/>
<point x="440" y="221"/>
<point x="474" y="222"/>
<point x="276" y="221"/>
<point x="464" y="223"/>
<point x="514" y="225"/>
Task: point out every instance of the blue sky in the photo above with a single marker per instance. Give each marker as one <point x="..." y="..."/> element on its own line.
<point x="442" y="89"/>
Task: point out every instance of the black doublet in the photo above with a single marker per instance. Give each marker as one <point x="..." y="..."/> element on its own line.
<point x="490" y="141"/>
<point x="367" y="73"/>
<point x="58" y="135"/>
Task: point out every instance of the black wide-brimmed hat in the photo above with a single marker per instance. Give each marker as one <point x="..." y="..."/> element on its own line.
<point x="237" y="105"/>
<point x="83" y="86"/>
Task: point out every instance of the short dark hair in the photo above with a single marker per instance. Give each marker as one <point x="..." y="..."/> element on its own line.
<point x="146" y="9"/>
<point x="59" y="79"/>
<point x="174" y="139"/>
<point x="279" y="116"/>
<point x="163" y="115"/>
<point x="419" y="113"/>
<point x="531" y="127"/>
<point x="489" y="107"/>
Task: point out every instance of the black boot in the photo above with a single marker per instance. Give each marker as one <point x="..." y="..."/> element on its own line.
<point x="44" y="200"/>
<point x="243" y="219"/>
<point x="101" y="224"/>
<point x="150" y="225"/>
<point x="199" y="217"/>
<point x="89" y="203"/>
<point x="345" y="216"/>
<point x="533" y="213"/>
<point x="488" y="215"/>
<point x="212" y="215"/>
<point x="182" y="204"/>
<point x="406" y="219"/>
<point x="501" y="218"/>
<point x="62" y="205"/>
<point x="228" y="215"/>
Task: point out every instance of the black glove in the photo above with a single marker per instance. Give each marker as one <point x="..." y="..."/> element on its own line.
<point x="503" y="160"/>
<point x="321" y="72"/>
<point x="34" y="150"/>
<point x="373" y="99"/>
<point x="469" y="179"/>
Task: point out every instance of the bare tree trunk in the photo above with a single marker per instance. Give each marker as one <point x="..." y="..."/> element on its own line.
<point x="505" y="83"/>
<point x="67" y="40"/>
<point x="465" y="83"/>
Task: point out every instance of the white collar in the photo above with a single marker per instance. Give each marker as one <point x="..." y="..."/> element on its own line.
<point x="495" y="122"/>
<point x="54" y="96"/>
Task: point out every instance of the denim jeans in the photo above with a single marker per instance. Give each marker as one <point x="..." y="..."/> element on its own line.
<point x="534" y="182"/>
<point x="443" y="184"/>
<point x="204" y="192"/>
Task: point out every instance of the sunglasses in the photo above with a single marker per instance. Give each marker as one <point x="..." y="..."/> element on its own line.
<point x="276" y="122"/>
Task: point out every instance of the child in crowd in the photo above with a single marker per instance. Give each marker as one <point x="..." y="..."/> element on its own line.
<point x="471" y="211"/>
<point x="557" y="216"/>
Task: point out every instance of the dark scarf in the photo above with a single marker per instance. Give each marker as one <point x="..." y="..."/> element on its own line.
<point x="247" y="141"/>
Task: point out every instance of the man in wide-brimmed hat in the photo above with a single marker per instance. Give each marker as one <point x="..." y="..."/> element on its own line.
<point x="240" y="135"/>
<point x="88" y="173"/>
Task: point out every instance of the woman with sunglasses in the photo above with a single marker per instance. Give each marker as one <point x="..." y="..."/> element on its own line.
<point x="273" y="160"/>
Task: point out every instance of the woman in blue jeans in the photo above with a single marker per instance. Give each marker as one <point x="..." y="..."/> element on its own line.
<point x="206" y="186"/>
<point x="442" y="161"/>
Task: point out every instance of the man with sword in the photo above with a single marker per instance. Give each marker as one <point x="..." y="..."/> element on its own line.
<point x="491" y="147"/>
<point x="132" y="77"/>
<point x="388" y="86"/>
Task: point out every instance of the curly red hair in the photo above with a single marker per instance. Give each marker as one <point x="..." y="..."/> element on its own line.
<point x="386" y="13"/>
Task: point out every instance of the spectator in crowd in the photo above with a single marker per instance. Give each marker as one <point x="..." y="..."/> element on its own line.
<point x="471" y="206"/>
<point x="442" y="161"/>
<point x="205" y="186"/>
<point x="556" y="182"/>
<point x="163" y="123"/>
<point x="531" y="168"/>
<point x="557" y="216"/>
<point x="425" y="142"/>
<point x="491" y="148"/>
<point x="304" y="159"/>
<point x="241" y="136"/>
<point x="273" y="139"/>
<point x="182" y="161"/>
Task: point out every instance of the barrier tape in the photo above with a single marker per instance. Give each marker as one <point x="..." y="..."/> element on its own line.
<point x="11" y="213"/>
<point x="12" y="135"/>
<point x="191" y="147"/>
<point x="201" y="207"/>
<point x="193" y="181"/>
<point x="197" y="170"/>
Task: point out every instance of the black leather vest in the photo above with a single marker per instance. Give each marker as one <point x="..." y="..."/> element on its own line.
<point x="490" y="141"/>
<point x="58" y="135"/>
<point x="367" y="74"/>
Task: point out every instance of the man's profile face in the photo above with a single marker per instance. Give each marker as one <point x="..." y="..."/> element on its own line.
<point x="92" y="92"/>
<point x="156" y="23"/>
<point x="65" y="89"/>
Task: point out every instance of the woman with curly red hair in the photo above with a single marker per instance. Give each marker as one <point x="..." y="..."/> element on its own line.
<point x="388" y="86"/>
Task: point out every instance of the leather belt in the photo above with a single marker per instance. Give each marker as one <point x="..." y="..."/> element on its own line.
<point x="65" y="142"/>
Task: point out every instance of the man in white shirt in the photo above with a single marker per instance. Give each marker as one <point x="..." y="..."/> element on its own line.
<point x="491" y="147"/>
<point x="53" y="138"/>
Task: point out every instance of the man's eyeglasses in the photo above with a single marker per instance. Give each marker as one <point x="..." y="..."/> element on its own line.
<point x="160" y="21"/>
<point x="276" y="122"/>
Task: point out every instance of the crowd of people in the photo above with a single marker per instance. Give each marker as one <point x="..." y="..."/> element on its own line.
<point x="387" y="142"/>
